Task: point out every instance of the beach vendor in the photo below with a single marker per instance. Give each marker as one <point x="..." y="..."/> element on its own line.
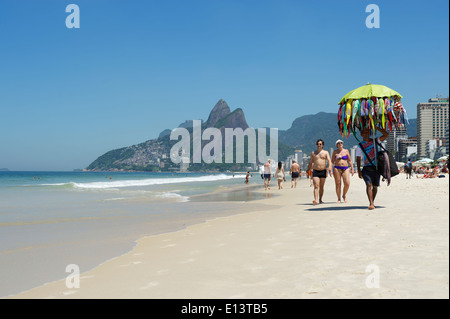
<point x="369" y="172"/>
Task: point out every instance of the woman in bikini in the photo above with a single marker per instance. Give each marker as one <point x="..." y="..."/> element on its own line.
<point x="342" y="167"/>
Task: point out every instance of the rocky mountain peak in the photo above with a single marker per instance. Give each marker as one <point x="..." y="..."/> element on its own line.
<point x="233" y="120"/>
<point x="220" y="111"/>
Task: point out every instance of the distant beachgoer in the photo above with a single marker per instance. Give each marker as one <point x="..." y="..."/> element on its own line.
<point x="343" y="166"/>
<point x="295" y="173"/>
<point x="369" y="172"/>
<point x="319" y="159"/>
<point x="246" y="177"/>
<point x="279" y="174"/>
<point x="408" y="169"/>
<point x="309" y="176"/>
<point x="267" y="175"/>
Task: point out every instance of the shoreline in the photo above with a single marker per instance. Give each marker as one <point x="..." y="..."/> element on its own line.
<point x="292" y="250"/>
<point x="174" y="224"/>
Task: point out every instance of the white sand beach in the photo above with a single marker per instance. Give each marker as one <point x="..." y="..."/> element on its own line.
<point x="294" y="251"/>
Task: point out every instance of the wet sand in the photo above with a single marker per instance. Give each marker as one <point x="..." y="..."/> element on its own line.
<point x="291" y="250"/>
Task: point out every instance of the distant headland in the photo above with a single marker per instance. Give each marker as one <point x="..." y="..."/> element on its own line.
<point x="4" y="170"/>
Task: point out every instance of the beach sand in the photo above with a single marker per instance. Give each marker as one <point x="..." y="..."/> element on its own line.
<point x="296" y="250"/>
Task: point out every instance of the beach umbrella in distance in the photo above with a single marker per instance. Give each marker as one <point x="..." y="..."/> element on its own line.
<point x="423" y="162"/>
<point x="400" y="164"/>
<point x="370" y="106"/>
<point x="426" y="160"/>
<point x="442" y="158"/>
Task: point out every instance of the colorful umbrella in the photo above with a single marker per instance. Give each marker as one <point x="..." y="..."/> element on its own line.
<point x="371" y="106"/>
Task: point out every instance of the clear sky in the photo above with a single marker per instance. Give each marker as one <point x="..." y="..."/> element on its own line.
<point x="135" y="68"/>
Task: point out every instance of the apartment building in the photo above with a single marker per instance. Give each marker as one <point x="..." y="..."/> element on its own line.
<point x="432" y="121"/>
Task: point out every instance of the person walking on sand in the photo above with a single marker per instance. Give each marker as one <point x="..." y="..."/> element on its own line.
<point x="279" y="174"/>
<point x="343" y="167"/>
<point x="369" y="172"/>
<point x="408" y="169"/>
<point x="267" y="175"/>
<point x="295" y="173"/>
<point x="319" y="160"/>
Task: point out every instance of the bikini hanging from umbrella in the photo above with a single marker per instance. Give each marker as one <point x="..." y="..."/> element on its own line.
<point x="368" y="107"/>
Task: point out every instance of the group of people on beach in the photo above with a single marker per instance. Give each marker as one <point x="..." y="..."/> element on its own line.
<point x="426" y="172"/>
<point x="431" y="172"/>
<point x="280" y="175"/>
<point x="340" y="166"/>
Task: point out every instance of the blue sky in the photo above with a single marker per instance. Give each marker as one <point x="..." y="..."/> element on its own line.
<point x="135" y="68"/>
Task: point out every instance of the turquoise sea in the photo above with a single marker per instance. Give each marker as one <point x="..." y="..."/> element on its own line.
<point x="49" y="220"/>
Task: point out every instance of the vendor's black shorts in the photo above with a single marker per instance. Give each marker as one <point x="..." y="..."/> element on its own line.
<point x="371" y="176"/>
<point x="295" y="175"/>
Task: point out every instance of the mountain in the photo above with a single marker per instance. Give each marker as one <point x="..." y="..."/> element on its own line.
<point x="307" y="129"/>
<point x="186" y="124"/>
<point x="219" y="112"/>
<point x="154" y="154"/>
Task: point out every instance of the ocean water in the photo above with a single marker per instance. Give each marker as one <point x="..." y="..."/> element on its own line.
<point x="49" y="220"/>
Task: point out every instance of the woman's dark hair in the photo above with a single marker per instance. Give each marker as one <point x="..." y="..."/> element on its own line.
<point x="279" y="165"/>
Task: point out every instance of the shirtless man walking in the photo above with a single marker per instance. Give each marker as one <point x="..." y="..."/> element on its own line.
<point x="319" y="160"/>
<point x="295" y="173"/>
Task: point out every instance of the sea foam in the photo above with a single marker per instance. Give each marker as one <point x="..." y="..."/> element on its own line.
<point x="150" y="181"/>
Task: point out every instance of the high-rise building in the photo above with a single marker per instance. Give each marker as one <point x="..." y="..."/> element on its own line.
<point x="298" y="156"/>
<point x="435" y="148"/>
<point x="407" y="149"/>
<point x="432" y="120"/>
<point x="447" y="151"/>
<point x="393" y="139"/>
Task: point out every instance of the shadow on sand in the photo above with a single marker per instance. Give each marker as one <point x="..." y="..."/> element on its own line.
<point x="337" y="207"/>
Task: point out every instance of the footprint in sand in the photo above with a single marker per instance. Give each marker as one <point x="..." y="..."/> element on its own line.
<point x="167" y="246"/>
<point x="187" y="261"/>
<point x="256" y="268"/>
<point x="131" y="263"/>
<point x="162" y="271"/>
<point x="290" y="233"/>
<point x="284" y="258"/>
<point x="70" y="292"/>
<point x="150" y="285"/>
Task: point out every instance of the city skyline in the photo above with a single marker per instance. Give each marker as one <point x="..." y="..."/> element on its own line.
<point x="133" y="69"/>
